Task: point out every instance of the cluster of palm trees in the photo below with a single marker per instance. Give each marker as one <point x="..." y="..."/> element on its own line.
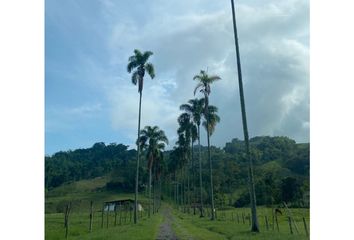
<point x="196" y="112"/>
<point x="189" y="122"/>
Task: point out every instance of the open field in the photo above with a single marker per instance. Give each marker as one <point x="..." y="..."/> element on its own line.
<point x="231" y="223"/>
<point x="228" y="227"/>
<point x="79" y="227"/>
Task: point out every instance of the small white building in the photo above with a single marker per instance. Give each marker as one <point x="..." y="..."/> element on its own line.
<point x="123" y="204"/>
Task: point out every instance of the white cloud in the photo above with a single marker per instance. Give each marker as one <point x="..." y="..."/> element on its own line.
<point x="274" y="56"/>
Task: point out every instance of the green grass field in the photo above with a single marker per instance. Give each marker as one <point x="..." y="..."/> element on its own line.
<point x="79" y="227"/>
<point x="230" y="224"/>
<point x="228" y="227"/>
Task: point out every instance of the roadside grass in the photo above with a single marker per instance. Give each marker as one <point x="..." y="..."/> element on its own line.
<point x="228" y="227"/>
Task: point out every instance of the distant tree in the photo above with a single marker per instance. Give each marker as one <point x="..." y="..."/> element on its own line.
<point x="290" y="189"/>
<point x="138" y="63"/>
<point x="204" y="82"/>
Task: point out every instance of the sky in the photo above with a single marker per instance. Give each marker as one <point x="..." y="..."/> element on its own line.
<point x="89" y="96"/>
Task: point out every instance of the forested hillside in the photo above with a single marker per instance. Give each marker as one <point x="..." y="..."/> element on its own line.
<point x="281" y="170"/>
<point x="89" y="163"/>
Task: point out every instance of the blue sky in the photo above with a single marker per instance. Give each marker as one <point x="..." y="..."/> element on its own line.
<point x="89" y="96"/>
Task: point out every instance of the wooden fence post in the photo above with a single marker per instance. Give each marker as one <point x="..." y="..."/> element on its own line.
<point x="66" y="220"/>
<point x="291" y="217"/>
<point x="130" y="214"/>
<point x="290" y="225"/>
<point x="238" y="218"/>
<point x="120" y="214"/>
<point x="102" y="216"/>
<point x="243" y="218"/>
<point x="107" y="215"/>
<point x="273" y="221"/>
<point x="266" y="221"/>
<point x="91" y="216"/>
<point x="115" y="215"/>
<point x="307" y="233"/>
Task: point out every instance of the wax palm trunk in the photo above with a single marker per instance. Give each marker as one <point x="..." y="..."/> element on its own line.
<point x="210" y="164"/>
<point x="255" y="227"/>
<point x="137" y="165"/>
<point x="200" y="175"/>
<point x="150" y="181"/>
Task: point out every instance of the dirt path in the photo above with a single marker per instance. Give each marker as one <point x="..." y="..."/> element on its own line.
<point x="166" y="232"/>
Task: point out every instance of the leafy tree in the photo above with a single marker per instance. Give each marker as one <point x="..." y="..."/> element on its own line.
<point x="204" y="81"/>
<point x="290" y="189"/>
<point x="138" y="63"/>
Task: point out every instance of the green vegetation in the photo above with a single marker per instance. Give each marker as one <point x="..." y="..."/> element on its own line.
<point x="79" y="225"/>
<point x="227" y="226"/>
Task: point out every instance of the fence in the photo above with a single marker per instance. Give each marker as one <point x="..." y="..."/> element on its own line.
<point x="85" y="217"/>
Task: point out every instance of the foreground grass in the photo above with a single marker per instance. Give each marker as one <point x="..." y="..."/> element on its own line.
<point x="227" y="226"/>
<point x="80" y="194"/>
<point x="147" y="228"/>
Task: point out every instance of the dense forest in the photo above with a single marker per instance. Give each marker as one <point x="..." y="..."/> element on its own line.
<point x="281" y="170"/>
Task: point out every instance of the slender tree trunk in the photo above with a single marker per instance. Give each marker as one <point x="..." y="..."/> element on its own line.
<point x="150" y="172"/>
<point x="188" y="184"/>
<point x="193" y="176"/>
<point x="175" y="187"/>
<point x="210" y="164"/>
<point x="255" y="225"/>
<point x="137" y="165"/>
<point x="200" y="175"/>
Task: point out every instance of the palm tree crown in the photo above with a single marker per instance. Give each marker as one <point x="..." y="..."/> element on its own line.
<point x="154" y="139"/>
<point x="195" y="108"/>
<point x="139" y="62"/>
<point x="213" y="119"/>
<point x="204" y="82"/>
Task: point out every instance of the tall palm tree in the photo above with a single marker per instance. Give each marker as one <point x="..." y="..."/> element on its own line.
<point x="155" y="139"/>
<point x="138" y="63"/>
<point x="204" y="87"/>
<point x="195" y="108"/>
<point x="255" y="226"/>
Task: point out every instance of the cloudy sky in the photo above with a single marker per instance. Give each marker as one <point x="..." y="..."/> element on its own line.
<point x="89" y="96"/>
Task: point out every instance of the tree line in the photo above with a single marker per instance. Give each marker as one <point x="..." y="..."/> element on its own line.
<point x="281" y="170"/>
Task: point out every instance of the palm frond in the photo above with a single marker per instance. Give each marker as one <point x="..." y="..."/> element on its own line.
<point x="138" y="54"/>
<point x="214" y="78"/>
<point x="212" y="109"/>
<point x="150" y="69"/>
<point x="132" y="58"/>
<point x="199" y="85"/>
<point x="146" y="55"/>
<point x="131" y="65"/>
<point x="135" y="77"/>
<point x="186" y="107"/>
